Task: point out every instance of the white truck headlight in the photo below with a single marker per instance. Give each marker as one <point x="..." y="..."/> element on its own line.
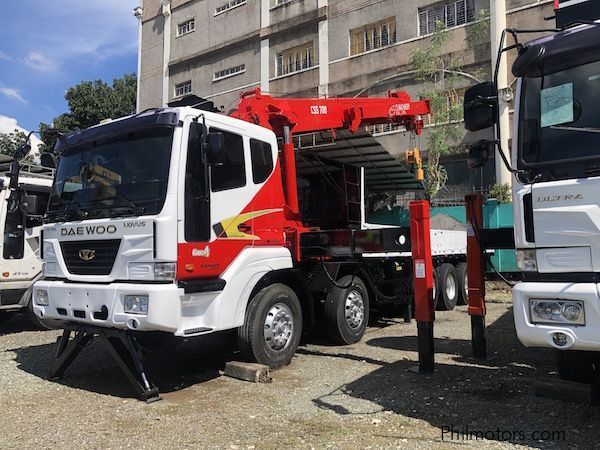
<point x="41" y="297"/>
<point x="164" y="271"/>
<point x="48" y="252"/>
<point x="135" y="304"/>
<point x="570" y="312"/>
<point x="526" y="260"/>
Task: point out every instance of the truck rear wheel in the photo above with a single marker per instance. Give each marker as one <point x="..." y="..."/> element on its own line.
<point x="463" y="283"/>
<point x="347" y="310"/>
<point x="272" y="327"/>
<point x="448" y="287"/>
<point x="578" y="366"/>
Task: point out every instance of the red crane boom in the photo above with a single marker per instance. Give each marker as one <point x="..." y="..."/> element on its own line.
<point x="303" y="115"/>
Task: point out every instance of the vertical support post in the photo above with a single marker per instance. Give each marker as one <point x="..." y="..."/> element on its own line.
<point x="423" y="282"/>
<point x="475" y="273"/>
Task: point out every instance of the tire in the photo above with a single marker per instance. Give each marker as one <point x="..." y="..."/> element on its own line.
<point x="42" y="324"/>
<point x="436" y="289"/>
<point x="463" y="283"/>
<point x="578" y="366"/>
<point x="347" y="311"/>
<point x="4" y="316"/>
<point x="272" y="326"/>
<point x="448" y="293"/>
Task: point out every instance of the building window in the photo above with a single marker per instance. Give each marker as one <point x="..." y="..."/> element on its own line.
<point x="449" y="14"/>
<point x="229" y="72"/>
<point x="295" y="59"/>
<point x="275" y="3"/>
<point x="184" y="88"/>
<point x="450" y="109"/>
<point x="231" y="4"/>
<point x="375" y="35"/>
<point x="186" y="27"/>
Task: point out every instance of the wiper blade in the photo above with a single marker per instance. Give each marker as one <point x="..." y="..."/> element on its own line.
<point x="582" y="129"/>
<point x="131" y="205"/>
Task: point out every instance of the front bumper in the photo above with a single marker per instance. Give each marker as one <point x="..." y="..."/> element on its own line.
<point x="169" y="309"/>
<point x="580" y="337"/>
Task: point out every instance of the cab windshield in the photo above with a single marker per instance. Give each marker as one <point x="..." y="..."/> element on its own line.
<point x="559" y="123"/>
<point x="124" y="175"/>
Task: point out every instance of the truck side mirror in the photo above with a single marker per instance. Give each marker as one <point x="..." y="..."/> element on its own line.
<point x="213" y="148"/>
<point x="48" y="159"/>
<point x="480" y="104"/>
<point x="13" y="175"/>
<point x="479" y="153"/>
<point x="31" y="204"/>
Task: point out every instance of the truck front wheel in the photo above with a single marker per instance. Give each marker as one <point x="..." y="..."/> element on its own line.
<point x="578" y="366"/>
<point x="272" y="327"/>
<point x="347" y="310"/>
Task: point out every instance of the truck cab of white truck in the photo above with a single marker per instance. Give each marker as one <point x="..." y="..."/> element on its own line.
<point x="20" y="264"/>
<point x="555" y="185"/>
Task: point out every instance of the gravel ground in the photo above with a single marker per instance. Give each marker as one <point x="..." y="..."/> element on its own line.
<point x="343" y="397"/>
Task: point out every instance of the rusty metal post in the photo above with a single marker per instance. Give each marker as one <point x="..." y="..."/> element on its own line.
<point x="475" y="273"/>
<point x="423" y="282"/>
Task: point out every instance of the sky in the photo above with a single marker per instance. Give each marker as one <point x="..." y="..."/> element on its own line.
<point x="48" y="46"/>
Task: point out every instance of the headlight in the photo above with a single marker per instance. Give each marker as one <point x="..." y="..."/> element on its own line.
<point x="526" y="261"/>
<point x="135" y="304"/>
<point x="49" y="269"/>
<point x="164" y="271"/>
<point x="41" y="297"/>
<point x="557" y="311"/>
<point x="48" y="252"/>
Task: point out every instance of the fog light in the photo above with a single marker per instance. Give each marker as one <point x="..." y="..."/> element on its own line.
<point x="569" y="312"/>
<point x="41" y="297"/>
<point x="526" y="260"/>
<point x="135" y="304"/>
<point x="560" y="339"/>
<point x="164" y="271"/>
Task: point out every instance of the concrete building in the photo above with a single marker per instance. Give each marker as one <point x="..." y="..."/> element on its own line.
<point x="218" y="48"/>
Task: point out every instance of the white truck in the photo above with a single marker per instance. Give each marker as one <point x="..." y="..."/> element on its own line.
<point x="555" y="186"/>
<point x="20" y="265"/>
<point x="186" y="222"/>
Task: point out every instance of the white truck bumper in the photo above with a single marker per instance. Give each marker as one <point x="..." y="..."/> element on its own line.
<point x="579" y="337"/>
<point x="102" y="305"/>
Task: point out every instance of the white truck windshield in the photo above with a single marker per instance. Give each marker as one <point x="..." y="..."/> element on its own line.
<point x="559" y="123"/>
<point x="122" y="176"/>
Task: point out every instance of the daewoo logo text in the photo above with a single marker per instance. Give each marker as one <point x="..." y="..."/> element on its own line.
<point x="91" y="229"/>
<point x="557" y="198"/>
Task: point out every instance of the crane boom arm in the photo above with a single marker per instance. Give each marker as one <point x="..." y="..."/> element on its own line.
<point x="304" y="115"/>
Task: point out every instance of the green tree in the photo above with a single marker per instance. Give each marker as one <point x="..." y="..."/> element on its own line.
<point x="9" y="142"/>
<point x="441" y="73"/>
<point x="90" y="102"/>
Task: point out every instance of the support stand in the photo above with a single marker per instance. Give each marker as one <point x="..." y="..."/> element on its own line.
<point x="121" y="345"/>
<point x="475" y="273"/>
<point x="423" y="282"/>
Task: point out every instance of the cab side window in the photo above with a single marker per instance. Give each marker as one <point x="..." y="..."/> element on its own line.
<point x="232" y="173"/>
<point x="262" y="160"/>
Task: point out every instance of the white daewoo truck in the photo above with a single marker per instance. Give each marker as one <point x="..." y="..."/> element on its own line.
<point x="556" y="186"/>
<point x="188" y="222"/>
<point x="20" y="264"/>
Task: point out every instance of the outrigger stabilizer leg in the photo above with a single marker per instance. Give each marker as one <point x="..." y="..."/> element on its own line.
<point x="121" y="345"/>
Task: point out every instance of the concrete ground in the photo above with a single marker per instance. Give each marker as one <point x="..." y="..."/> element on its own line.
<point x="359" y="396"/>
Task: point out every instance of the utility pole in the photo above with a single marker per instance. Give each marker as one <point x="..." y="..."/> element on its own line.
<point x="138" y="12"/>
<point x="497" y="25"/>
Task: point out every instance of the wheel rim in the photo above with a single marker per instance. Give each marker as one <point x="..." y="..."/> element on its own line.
<point x="450" y="287"/>
<point x="279" y="326"/>
<point x="354" y="309"/>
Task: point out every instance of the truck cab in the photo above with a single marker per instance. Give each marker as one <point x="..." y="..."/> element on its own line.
<point x="20" y="264"/>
